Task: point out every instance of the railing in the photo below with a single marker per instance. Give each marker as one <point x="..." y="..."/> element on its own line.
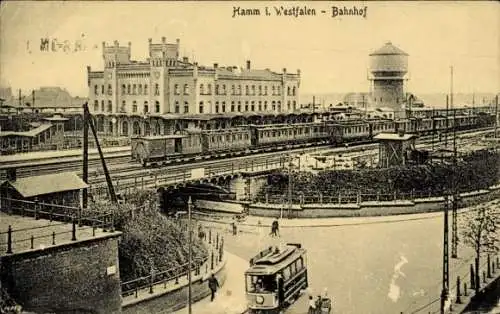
<point x="49" y="233"/>
<point x="172" y="276"/>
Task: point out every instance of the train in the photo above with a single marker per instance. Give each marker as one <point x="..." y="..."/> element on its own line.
<point x="276" y="278"/>
<point x="255" y="138"/>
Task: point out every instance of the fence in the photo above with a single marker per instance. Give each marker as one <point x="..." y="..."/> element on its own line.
<point x="170" y="277"/>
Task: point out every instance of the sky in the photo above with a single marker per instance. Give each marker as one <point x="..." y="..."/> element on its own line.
<point x="332" y="53"/>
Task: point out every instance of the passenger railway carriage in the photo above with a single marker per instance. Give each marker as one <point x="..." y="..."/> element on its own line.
<point x="275" y="136"/>
<point x="276" y="278"/>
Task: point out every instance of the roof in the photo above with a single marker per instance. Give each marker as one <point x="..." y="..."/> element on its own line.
<point x="270" y="262"/>
<point x="30" y="133"/>
<point x="393" y="137"/>
<point x="47" y="184"/>
<point x="388" y="49"/>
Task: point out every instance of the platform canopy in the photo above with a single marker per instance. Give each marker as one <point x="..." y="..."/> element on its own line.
<point x="47" y="184"/>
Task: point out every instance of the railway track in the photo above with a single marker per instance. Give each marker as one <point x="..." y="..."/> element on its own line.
<point x="120" y="165"/>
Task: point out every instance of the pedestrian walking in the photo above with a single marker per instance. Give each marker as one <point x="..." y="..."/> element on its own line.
<point x="213" y="284"/>
<point x="235" y="230"/>
<point x="312" y="305"/>
<point x="275" y="228"/>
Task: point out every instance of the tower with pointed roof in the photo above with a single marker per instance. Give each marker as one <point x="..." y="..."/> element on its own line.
<point x="388" y="68"/>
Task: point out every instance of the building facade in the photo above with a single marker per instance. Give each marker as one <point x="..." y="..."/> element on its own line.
<point x="165" y="86"/>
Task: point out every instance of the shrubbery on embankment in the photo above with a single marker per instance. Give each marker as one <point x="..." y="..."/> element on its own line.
<point x="475" y="171"/>
<point x="150" y="241"/>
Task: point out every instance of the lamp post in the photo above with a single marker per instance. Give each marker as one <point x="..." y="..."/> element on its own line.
<point x="113" y="123"/>
<point x="190" y="257"/>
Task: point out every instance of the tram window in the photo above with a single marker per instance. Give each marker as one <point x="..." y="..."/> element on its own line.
<point x="261" y="283"/>
<point x="286" y="273"/>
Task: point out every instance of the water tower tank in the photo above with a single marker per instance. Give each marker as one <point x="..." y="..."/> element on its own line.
<point x="389" y="61"/>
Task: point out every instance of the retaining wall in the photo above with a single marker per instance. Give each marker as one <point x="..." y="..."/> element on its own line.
<point x="372" y="208"/>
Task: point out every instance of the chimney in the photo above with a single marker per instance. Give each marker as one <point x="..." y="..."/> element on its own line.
<point x="216" y="65"/>
<point x="11" y="174"/>
<point x="163" y="39"/>
<point x="248" y="64"/>
<point x="185" y="59"/>
<point x="150" y="40"/>
<point x="117" y="43"/>
<point x="284" y="70"/>
<point x="298" y="72"/>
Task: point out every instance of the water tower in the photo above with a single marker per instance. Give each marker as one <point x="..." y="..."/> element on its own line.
<point x="388" y="67"/>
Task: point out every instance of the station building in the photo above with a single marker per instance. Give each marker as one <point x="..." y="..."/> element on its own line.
<point x="166" y="93"/>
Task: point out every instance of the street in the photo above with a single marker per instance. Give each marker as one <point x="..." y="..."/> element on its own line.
<point x="376" y="268"/>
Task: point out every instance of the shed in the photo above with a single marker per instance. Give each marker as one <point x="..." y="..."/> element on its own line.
<point x="393" y="148"/>
<point x="59" y="188"/>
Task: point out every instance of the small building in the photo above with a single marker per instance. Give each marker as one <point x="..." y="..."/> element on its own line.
<point x="59" y="189"/>
<point x="394" y="148"/>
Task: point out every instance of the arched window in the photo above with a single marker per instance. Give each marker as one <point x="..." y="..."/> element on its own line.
<point x="124" y="89"/>
<point x="110" y="90"/>
<point x="128" y="89"/>
<point x="145" y="89"/>
<point x="176" y="89"/>
<point x="274" y="90"/>
<point x="176" y="109"/>
<point x="96" y="89"/>
<point x="146" y="107"/>
<point x="253" y="89"/>
<point x="157" y="89"/>
<point x="265" y="90"/>
<point x="202" y="89"/>
<point x="140" y="89"/>
<point x="201" y="107"/>
<point x="186" y="89"/>
<point x="293" y="91"/>
<point x="96" y="105"/>
<point x="125" y="128"/>
<point x="288" y="91"/>
<point x="157" y="106"/>
<point x="216" y="89"/>
<point x="260" y="90"/>
<point x="136" y="128"/>
<point x="247" y="91"/>
<point x="239" y="89"/>
<point x="232" y="90"/>
<point x="110" y="106"/>
<point x="134" y="106"/>
<point x="102" y="105"/>
<point x="123" y="107"/>
<point x="209" y="89"/>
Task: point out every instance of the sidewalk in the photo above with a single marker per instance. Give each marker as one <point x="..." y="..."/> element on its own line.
<point x="230" y="298"/>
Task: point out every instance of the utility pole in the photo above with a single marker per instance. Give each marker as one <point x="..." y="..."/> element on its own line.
<point x="496" y="115"/>
<point x="85" y="175"/>
<point x="190" y="255"/>
<point x="446" y="131"/>
<point x="290" y="182"/>
<point x="33" y="98"/>
<point x="446" y="273"/>
<point x="454" y="228"/>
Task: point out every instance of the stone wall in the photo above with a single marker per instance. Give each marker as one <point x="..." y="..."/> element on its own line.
<point x="79" y="277"/>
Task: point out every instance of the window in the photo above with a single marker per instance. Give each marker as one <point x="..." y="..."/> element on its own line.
<point x="293" y="91"/>
<point x="110" y="106"/>
<point x="186" y="89"/>
<point x="223" y="106"/>
<point x="247" y="90"/>
<point x="265" y="105"/>
<point x="134" y="106"/>
<point x="202" y="89"/>
<point x="288" y="104"/>
<point x="177" y="109"/>
<point x="145" y="89"/>
<point x="124" y="105"/>
<point x="134" y="89"/>
<point x="232" y="90"/>
<point x="265" y="90"/>
<point x="186" y="107"/>
<point x="252" y="107"/>
<point x="253" y="90"/>
<point x="239" y="89"/>
<point x="239" y="106"/>
<point x="217" y="89"/>
<point x="201" y="107"/>
<point x="279" y="90"/>
<point x="140" y="89"/>
<point x="279" y="106"/>
<point x="157" y="89"/>
<point x="157" y="106"/>
<point x="274" y="90"/>
<point x="273" y="106"/>
<point x="176" y="89"/>
<point x="260" y="105"/>
<point x="102" y="105"/>
<point x="146" y="107"/>
<point x="96" y="90"/>
<point x="288" y="91"/>
<point x="96" y="105"/>
<point x="232" y="106"/>
<point x="246" y="105"/>
<point x="224" y="89"/>
<point x="209" y="89"/>
<point x="128" y="89"/>
<point x="102" y="89"/>
<point x="294" y="105"/>
<point x="216" y="107"/>
<point x="124" y="89"/>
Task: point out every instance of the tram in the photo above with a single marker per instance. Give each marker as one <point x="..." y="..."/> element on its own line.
<point x="276" y="278"/>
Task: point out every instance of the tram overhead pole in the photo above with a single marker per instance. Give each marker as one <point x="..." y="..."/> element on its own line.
<point x="454" y="204"/>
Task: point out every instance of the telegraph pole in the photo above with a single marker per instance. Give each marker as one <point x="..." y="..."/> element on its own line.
<point x="446" y="132"/>
<point x="446" y="273"/>
<point x="290" y="182"/>
<point x="496" y="115"/>
<point x="190" y="255"/>
<point x="454" y="228"/>
<point x="85" y="174"/>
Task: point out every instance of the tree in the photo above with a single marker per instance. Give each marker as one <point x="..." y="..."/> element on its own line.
<point x="480" y="232"/>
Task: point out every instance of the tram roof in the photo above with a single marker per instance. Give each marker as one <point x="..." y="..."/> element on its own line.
<point x="273" y="262"/>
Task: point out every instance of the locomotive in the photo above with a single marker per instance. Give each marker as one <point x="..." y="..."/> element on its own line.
<point x="256" y="138"/>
